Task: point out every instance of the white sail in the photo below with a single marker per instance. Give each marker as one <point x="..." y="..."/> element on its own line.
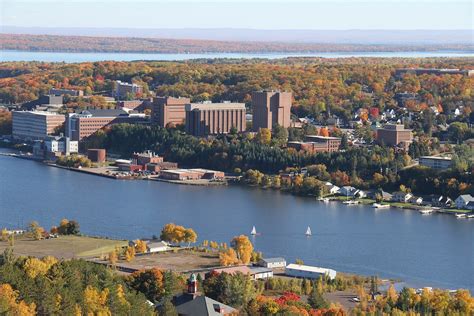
<point x="308" y="231"/>
<point x="254" y="231"/>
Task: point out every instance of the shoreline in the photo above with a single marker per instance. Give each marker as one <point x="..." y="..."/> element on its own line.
<point x="334" y="198"/>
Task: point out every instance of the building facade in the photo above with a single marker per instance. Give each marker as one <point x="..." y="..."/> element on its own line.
<point x="204" y="119"/>
<point x="84" y="124"/>
<point x="34" y="125"/>
<point x="169" y="110"/>
<point x="122" y="89"/>
<point x="436" y="162"/>
<point x="62" y="145"/>
<point x="308" y="272"/>
<point x="71" y="92"/>
<point x="394" y="135"/>
<point x="271" y="108"/>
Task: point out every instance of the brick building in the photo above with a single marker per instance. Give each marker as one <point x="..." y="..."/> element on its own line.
<point x="315" y="144"/>
<point x="214" y="118"/>
<point x="83" y="124"/>
<point x="169" y="110"/>
<point x="394" y="135"/>
<point x="271" y="108"/>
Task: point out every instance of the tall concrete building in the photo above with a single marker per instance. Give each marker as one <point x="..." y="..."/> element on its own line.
<point x="169" y="110"/>
<point x="394" y="135"/>
<point x="122" y="89"/>
<point x="271" y="108"/>
<point x="35" y="125"/>
<point x="214" y="118"/>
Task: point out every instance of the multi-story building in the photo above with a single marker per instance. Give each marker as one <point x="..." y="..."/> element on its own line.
<point x="394" y="135"/>
<point x="146" y="158"/>
<point x="314" y="144"/>
<point x="136" y="105"/>
<point x="169" y="110"/>
<point x="34" y="125"/>
<point x="271" y="108"/>
<point x="436" y="162"/>
<point x="214" y="118"/>
<point x="84" y="124"/>
<point x="45" y="101"/>
<point x="122" y="89"/>
<point x="61" y="145"/>
<point x="71" y="92"/>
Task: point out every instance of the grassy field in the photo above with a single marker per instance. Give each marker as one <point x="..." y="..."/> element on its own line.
<point x="64" y="247"/>
<point x="183" y="260"/>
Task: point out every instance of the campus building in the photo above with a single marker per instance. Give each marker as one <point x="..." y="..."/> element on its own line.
<point x="34" y="125"/>
<point x="271" y="108"/>
<point x="71" y="92"/>
<point x="314" y="144"/>
<point x="122" y="89"/>
<point x="169" y="110"/>
<point x="214" y="118"/>
<point x="83" y="124"/>
<point x="436" y="162"/>
<point x="394" y="135"/>
<point x="433" y="71"/>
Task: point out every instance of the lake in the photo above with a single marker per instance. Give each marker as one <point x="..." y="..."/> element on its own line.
<point x="6" y="55"/>
<point x="433" y="250"/>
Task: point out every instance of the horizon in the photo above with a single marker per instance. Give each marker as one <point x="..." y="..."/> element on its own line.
<point x="266" y="15"/>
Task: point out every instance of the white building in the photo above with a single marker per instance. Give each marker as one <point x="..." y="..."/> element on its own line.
<point x="401" y="197"/>
<point x="436" y="162"/>
<point x="157" y="246"/>
<point x="332" y="189"/>
<point x="272" y="263"/>
<point x="463" y="200"/>
<point x="61" y="145"/>
<point x="308" y="272"/>
<point x="261" y="273"/>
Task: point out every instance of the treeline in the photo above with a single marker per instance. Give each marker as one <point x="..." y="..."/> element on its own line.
<point x="64" y="43"/>
<point x="320" y="86"/>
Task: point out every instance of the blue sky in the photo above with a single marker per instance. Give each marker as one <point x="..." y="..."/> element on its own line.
<point x="260" y="14"/>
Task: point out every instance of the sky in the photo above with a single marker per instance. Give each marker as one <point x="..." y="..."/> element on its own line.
<point x="259" y="14"/>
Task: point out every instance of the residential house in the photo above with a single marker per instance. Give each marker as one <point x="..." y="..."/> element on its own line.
<point x="416" y="200"/>
<point x="400" y="196"/>
<point x="272" y="263"/>
<point x="470" y="205"/>
<point x="332" y="189"/>
<point x="463" y="200"/>
<point x="348" y="191"/>
<point x="441" y="201"/>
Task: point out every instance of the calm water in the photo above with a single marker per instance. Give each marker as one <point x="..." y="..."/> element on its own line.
<point x="435" y="250"/>
<point x="6" y="55"/>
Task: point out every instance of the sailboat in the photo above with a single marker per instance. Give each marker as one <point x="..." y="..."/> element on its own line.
<point x="254" y="231"/>
<point x="308" y="231"/>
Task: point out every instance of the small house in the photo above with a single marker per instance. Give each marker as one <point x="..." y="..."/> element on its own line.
<point x="331" y="188"/>
<point x="400" y="196"/>
<point x="416" y="200"/>
<point x="157" y="246"/>
<point x="463" y="200"/>
<point x="273" y="263"/>
<point x="348" y="191"/>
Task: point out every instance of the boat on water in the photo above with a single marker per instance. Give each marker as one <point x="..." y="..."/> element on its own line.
<point x="254" y="231"/>
<point x="378" y="205"/>
<point x="351" y="202"/>
<point x="462" y="215"/>
<point x="308" y="231"/>
<point x="326" y="200"/>
<point x="470" y="216"/>
<point x="426" y="211"/>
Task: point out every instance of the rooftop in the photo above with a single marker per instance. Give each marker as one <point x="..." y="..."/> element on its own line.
<point x="203" y="305"/>
<point x="301" y="267"/>
<point x="436" y="158"/>
<point x="215" y="106"/>
<point x="273" y="260"/>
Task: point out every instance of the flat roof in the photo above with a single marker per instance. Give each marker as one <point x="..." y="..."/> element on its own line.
<point x="215" y="106"/>
<point x="302" y="267"/>
<point x="272" y="260"/>
<point x="323" y="137"/>
<point x="39" y="113"/>
<point x="436" y="157"/>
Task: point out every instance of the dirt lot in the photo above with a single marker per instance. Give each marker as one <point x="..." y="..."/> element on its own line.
<point x="179" y="261"/>
<point x="64" y="247"/>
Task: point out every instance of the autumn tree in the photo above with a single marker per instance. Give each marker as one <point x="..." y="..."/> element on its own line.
<point x="264" y="136"/>
<point x="11" y="305"/>
<point x="140" y="246"/>
<point x="228" y="257"/>
<point x="36" y="230"/>
<point x="243" y="248"/>
<point x="95" y="301"/>
<point x="129" y="253"/>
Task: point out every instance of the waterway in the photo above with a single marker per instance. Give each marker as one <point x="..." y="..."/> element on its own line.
<point x="6" y="55"/>
<point x="434" y="250"/>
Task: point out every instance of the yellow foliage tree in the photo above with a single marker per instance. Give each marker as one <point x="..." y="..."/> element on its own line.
<point x="228" y="257"/>
<point x="243" y="247"/>
<point x="129" y="253"/>
<point x="10" y="305"/>
<point x="36" y="230"/>
<point x="95" y="302"/>
<point x="34" y="266"/>
<point x="4" y="234"/>
<point x="113" y="257"/>
<point x="264" y="136"/>
<point x="140" y="246"/>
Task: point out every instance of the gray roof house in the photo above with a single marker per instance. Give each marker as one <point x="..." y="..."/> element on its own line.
<point x="203" y="305"/>
<point x="273" y="262"/>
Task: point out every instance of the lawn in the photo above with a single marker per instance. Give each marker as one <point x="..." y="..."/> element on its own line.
<point x="64" y="247"/>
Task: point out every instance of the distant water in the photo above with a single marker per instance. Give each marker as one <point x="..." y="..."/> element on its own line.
<point x="431" y="250"/>
<point x="6" y="55"/>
